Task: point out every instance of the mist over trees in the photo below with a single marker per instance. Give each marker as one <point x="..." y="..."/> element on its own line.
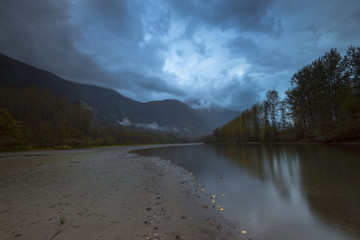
<point x="322" y="105"/>
<point x="31" y="118"/>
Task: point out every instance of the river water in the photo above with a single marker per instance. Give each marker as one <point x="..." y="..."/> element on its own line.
<point x="279" y="191"/>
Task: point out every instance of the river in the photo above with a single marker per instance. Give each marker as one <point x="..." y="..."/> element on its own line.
<point x="279" y="191"/>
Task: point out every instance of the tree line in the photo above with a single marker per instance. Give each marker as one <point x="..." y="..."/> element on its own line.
<point x="31" y="118"/>
<point x="322" y="105"/>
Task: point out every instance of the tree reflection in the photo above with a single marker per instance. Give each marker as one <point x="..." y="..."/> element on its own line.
<point x="328" y="176"/>
<point x="319" y="179"/>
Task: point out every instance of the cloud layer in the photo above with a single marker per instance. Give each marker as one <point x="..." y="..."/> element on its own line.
<point x="226" y="53"/>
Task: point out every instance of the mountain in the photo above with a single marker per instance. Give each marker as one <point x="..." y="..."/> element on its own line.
<point x="216" y="116"/>
<point x="109" y="107"/>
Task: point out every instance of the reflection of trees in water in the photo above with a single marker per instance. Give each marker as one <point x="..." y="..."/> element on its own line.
<point x="270" y="163"/>
<point x="328" y="176"/>
<point x="331" y="180"/>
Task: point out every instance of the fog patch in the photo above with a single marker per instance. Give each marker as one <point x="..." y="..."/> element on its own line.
<point x="152" y="126"/>
<point x="125" y="122"/>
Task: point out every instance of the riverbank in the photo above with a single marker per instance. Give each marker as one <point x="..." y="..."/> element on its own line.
<point x="103" y="193"/>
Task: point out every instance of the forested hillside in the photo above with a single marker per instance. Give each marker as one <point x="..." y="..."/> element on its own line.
<point x="106" y="105"/>
<point x="322" y="105"/>
<point x="32" y="118"/>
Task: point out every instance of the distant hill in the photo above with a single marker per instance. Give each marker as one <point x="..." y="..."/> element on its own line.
<point x="109" y="107"/>
<point x="216" y="117"/>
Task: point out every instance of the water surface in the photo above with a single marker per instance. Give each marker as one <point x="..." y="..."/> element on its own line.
<point x="278" y="191"/>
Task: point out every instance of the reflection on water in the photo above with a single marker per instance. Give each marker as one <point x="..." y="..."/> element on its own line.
<point x="279" y="191"/>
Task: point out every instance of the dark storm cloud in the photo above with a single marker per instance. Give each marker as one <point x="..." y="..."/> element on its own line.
<point x="227" y="52"/>
<point x="39" y="33"/>
<point x="142" y="86"/>
<point x="112" y="17"/>
<point x="265" y="59"/>
<point x="241" y="95"/>
<point x="242" y="15"/>
<point x="322" y="22"/>
<point x="118" y="31"/>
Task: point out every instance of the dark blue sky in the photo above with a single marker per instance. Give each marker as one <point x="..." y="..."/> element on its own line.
<point x="221" y="52"/>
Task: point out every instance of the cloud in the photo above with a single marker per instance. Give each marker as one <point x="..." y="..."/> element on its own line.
<point x="245" y="15"/>
<point x="144" y="87"/>
<point x="124" y="122"/>
<point x="151" y="126"/>
<point x="40" y="33"/>
<point x="204" y="52"/>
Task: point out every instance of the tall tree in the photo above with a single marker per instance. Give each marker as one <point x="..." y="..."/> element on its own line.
<point x="335" y="83"/>
<point x="352" y="64"/>
<point x="273" y="101"/>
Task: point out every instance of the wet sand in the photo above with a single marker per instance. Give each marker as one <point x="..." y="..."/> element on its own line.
<point x="103" y="193"/>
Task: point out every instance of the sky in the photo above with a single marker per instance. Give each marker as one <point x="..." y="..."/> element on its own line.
<point x="225" y="53"/>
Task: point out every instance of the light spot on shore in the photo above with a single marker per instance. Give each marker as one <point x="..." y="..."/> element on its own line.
<point x="213" y="201"/>
<point x="221" y="209"/>
<point x="218" y="206"/>
<point x="203" y="190"/>
<point x="223" y="195"/>
<point x="213" y="197"/>
<point x="244" y="232"/>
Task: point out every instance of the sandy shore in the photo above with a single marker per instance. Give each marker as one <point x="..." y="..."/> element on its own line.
<point x="103" y="193"/>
